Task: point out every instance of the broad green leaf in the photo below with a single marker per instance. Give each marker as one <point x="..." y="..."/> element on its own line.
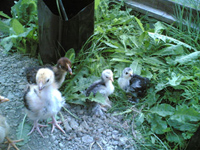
<point x="174" y="137"/>
<point x="163" y="110"/>
<point x="184" y="113"/>
<point x="136" y="67"/>
<point x="166" y="39"/>
<point x="157" y="124"/>
<point x="170" y="50"/>
<point x="155" y="61"/>
<point x="4" y="28"/>
<point x="187" y="58"/>
<point x="183" y="126"/>
<point x="17" y="27"/>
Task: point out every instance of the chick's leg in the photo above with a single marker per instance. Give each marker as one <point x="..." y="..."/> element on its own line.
<point x="56" y="124"/>
<point x="12" y="143"/>
<point x="36" y="126"/>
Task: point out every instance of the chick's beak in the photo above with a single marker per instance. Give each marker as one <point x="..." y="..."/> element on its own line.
<point x="69" y="69"/>
<point x="131" y="74"/>
<point x="40" y="86"/>
<point x="111" y="78"/>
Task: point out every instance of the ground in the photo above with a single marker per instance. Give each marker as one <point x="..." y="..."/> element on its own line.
<point x="105" y="133"/>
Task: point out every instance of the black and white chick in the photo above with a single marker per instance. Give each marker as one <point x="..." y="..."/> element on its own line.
<point x="43" y="100"/>
<point x="104" y="87"/>
<point x="133" y="84"/>
<point x="62" y="67"/>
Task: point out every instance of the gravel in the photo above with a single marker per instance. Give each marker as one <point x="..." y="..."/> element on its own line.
<point x="82" y="132"/>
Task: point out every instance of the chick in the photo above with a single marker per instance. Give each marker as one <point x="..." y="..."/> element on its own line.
<point x="43" y="100"/>
<point x="4" y="130"/>
<point x="60" y="70"/>
<point x="104" y="87"/>
<point x="133" y="84"/>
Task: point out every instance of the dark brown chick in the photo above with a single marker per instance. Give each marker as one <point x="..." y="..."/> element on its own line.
<point x="60" y="70"/>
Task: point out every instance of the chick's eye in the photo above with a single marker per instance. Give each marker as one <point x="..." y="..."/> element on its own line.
<point x="47" y="80"/>
<point x="126" y="72"/>
<point x="106" y="77"/>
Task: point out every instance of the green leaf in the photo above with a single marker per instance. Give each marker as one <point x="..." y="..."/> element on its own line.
<point x="170" y="50"/>
<point x="176" y="79"/>
<point x="163" y="110"/>
<point x="183" y="126"/>
<point x="187" y="58"/>
<point x="4" y="27"/>
<point x="140" y="24"/>
<point x="136" y="67"/>
<point x="17" y="26"/>
<point x="71" y="55"/>
<point x="184" y="113"/>
<point x="159" y="27"/>
<point x="4" y="15"/>
<point x="169" y="39"/>
<point x="97" y="2"/>
<point x="22" y="131"/>
<point x="157" y="124"/>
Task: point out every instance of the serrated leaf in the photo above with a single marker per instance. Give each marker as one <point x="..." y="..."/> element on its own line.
<point x="184" y="113"/>
<point x="169" y="39"/>
<point x="183" y="126"/>
<point x="175" y="79"/>
<point x="170" y="50"/>
<point x="187" y="58"/>
<point x="163" y="110"/>
<point x="157" y="124"/>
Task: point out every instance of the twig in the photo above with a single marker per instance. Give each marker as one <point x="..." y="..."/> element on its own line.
<point x="71" y="113"/>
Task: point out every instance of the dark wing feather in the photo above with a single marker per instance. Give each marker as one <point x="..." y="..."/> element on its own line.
<point x="95" y="87"/>
<point x="139" y="84"/>
<point x="25" y="100"/>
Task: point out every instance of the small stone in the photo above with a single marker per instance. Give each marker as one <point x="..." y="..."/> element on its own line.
<point x="87" y="139"/>
<point x="61" y="145"/>
<point x="74" y="125"/>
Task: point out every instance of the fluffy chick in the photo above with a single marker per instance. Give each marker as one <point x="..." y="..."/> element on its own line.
<point x="133" y="84"/>
<point x="43" y="100"/>
<point x="104" y="87"/>
<point x="4" y="130"/>
<point x="60" y="70"/>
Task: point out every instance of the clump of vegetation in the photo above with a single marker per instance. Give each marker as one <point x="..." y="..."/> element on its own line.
<point x="169" y="114"/>
<point x="20" y="31"/>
